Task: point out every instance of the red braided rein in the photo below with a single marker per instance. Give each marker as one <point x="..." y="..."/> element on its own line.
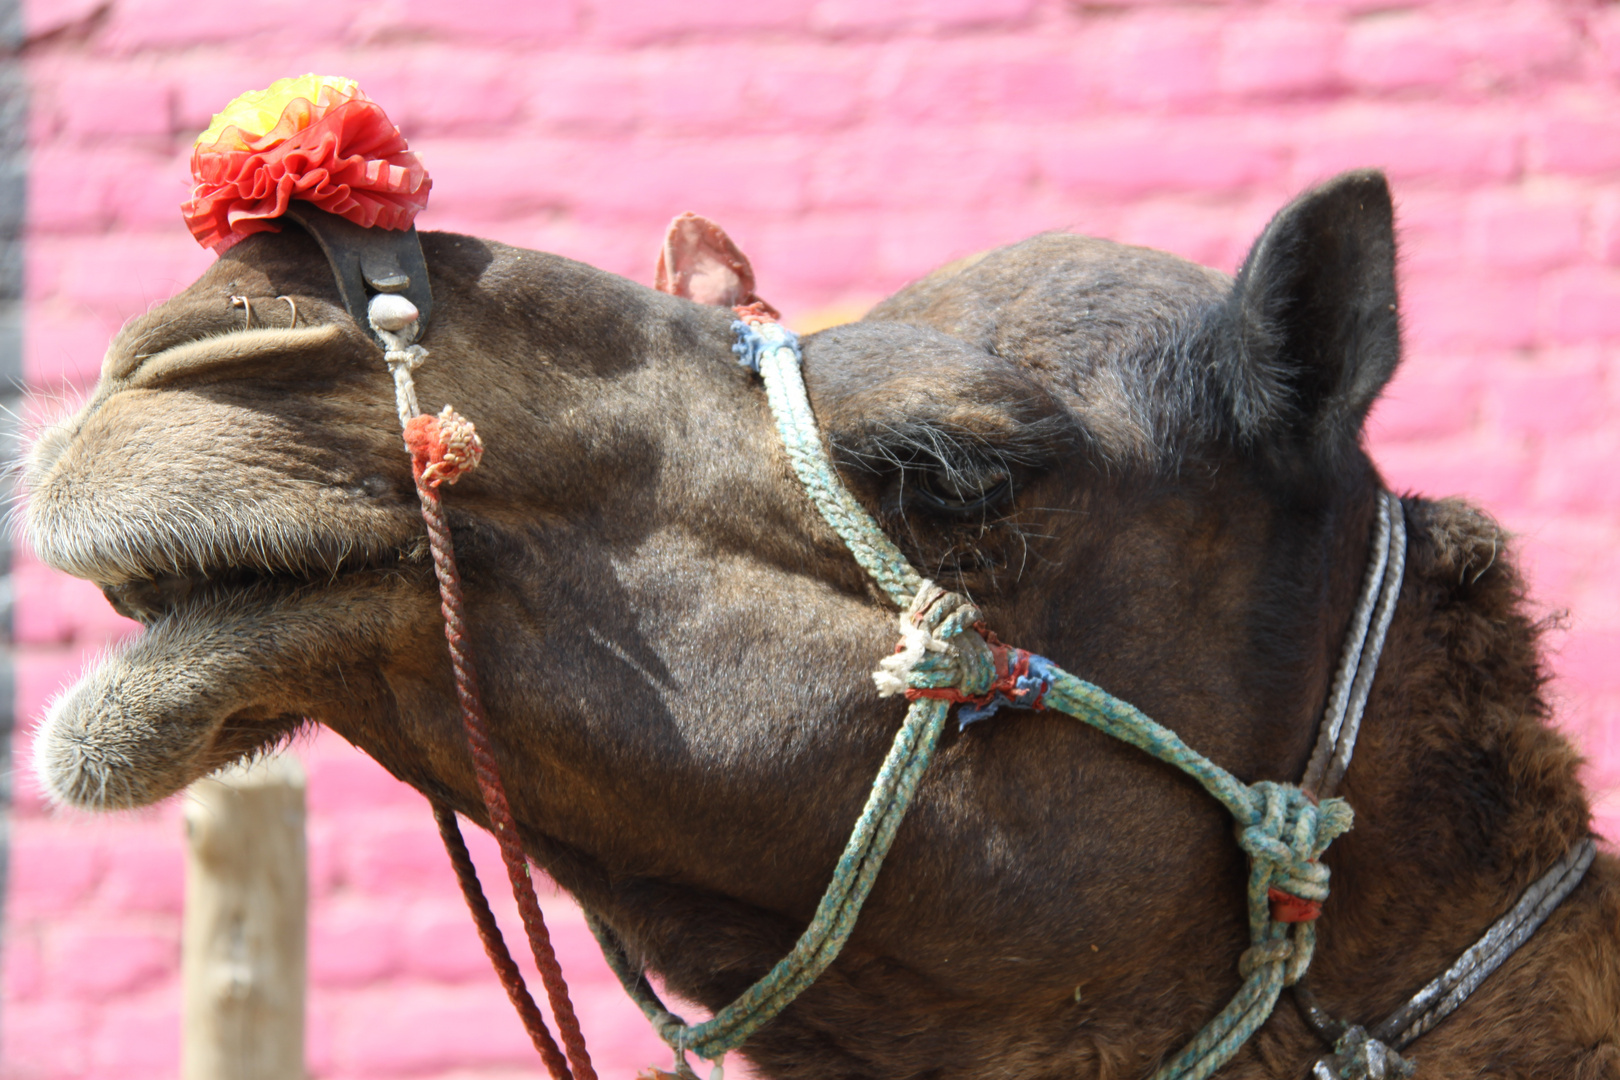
<point x="442" y="448"/>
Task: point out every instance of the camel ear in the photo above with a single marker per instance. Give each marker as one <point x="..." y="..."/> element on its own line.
<point x="1314" y="317"/>
<point x="701" y="263"/>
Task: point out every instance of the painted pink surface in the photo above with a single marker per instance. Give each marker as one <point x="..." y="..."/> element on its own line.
<point x="849" y="146"/>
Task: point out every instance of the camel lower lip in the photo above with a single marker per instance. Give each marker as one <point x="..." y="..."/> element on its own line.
<point x="219" y="676"/>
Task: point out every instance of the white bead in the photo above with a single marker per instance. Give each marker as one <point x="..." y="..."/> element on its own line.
<point x="391" y="312"/>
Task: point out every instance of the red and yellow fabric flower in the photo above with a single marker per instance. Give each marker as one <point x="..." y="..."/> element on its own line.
<point x="316" y="138"/>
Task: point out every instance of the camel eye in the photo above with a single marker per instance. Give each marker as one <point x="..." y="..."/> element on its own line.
<point x="961" y="491"/>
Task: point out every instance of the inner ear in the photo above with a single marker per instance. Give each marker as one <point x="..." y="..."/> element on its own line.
<point x="701" y="263"/>
<point x="1314" y="316"/>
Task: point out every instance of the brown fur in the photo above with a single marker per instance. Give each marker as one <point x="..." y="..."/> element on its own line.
<point x="675" y="650"/>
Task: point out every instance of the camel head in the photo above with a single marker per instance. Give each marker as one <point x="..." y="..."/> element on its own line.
<point x="1149" y="471"/>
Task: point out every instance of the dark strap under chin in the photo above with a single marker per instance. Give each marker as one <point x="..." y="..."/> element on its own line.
<point x="368" y="261"/>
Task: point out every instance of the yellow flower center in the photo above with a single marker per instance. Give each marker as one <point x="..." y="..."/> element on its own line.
<point x="258" y="111"/>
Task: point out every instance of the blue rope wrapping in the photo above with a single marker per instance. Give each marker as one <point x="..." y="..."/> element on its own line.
<point x="1281" y="829"/>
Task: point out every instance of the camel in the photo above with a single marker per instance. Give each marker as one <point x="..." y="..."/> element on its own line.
<point x="1148" y="471"/>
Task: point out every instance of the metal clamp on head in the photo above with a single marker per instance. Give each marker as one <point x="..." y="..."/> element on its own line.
<point x="369" y="261"/>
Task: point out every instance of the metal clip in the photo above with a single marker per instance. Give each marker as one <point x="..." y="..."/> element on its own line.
<point x="1359" y="1056"/>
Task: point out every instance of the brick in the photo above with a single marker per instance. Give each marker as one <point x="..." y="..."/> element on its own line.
<point x="1409" y="143"/>
<point x="45" y="1039"/>
<point x="1587" y="660"/>
<point x="1584" y="305"/>
<point x="1427" y="400"/>
<point x="1546" y="397"/>
<point x="441" y="945"/>
<point x="342" y="778"/>
<point x="816" y="251"/>
<point x="93" y="190"/>
<point x="146" y="24"/>
<point x="1603" y="239"/>
<point x="53" y="608"/>
<point x="1280" y="54"/>
<point x="459" y="92"/>
<point x="1509" y="229"/>
<point x="1459" y="308"/>
<point x="409" y="1029"/>
<point x="139" y="1039"/>
<point x="113" y="107"/>
<point x="122" y="274"/>
<point x="798" y="91"/>
<point x="1573" y="143"/>
<point x="353" y="944"/>
<point x="1130" y="160"/>
<point x="672" y="99"/>
<point x="583" y="92"/>
<point x="1494" y="475"/>
<point x="626" y="22"/>
<point x="143" y="871"/>
<point x="1038" y="85"/>
<point x="23" y="974"/>
<point x="60" y="353"/>
<point x="1603" y="29"/>
<point x="74" y="198"/>
<point x="98" y="961"/>
<point x="718" y="178"/>
<point x="901" y="168"/>
<point x="41" y="675"/>
<point x="1431" y="228"/>
<point x="1163" y="58"/>
<point x="40" y="20"/>
<point x="1518" y="41"/>
<point x="1575" y="476"/>
<point x="1397" y="51"/>
<point x="853" y="16"/>
<point x="393" y="852"/>
<point x="497" y="22"/>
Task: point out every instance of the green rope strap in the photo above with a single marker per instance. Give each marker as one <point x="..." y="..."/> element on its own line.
<point x="944" y="660"/>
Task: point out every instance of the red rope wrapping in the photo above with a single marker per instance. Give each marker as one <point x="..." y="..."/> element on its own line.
<point x="500" y="812"/>
<point x="489" y="932"/>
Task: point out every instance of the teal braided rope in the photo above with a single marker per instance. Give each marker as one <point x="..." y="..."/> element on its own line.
<point x="1284" y="834"/>
<point x="852" y="880"/>
<point x="778" y="363"/>
<point x="1280" y="827"/>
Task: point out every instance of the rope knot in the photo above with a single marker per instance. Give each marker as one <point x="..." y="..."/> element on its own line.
<point x="1262" y="953"/>
<point x="1285" y="838"/>
<point x="444" y="447"/>
<point x="945" y="653"/>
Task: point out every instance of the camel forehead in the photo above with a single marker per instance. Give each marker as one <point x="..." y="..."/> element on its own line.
<point x="1115" y="332"/>
<point x="1101" y="297"/>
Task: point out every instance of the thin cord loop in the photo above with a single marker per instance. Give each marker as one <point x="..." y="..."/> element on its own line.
<point x="440" y="452"/>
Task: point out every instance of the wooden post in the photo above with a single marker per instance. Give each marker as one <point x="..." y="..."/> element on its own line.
<point x="242" y="950"/>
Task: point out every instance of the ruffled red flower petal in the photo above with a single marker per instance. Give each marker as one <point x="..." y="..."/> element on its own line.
<point x="347" y="158"/>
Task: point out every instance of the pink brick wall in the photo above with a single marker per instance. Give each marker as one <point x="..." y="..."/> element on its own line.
<point x="849" y="145"/>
